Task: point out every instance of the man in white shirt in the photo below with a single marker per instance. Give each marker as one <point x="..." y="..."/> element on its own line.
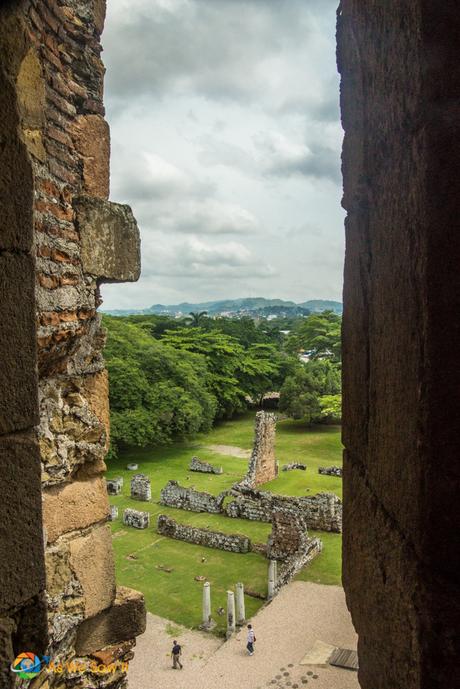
<point x="251" y="640"/>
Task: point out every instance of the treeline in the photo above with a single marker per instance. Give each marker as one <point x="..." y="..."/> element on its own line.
<point x="171" y="378"/>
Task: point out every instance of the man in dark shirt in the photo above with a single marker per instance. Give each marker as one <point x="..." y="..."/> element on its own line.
<point x="175" y="655"/>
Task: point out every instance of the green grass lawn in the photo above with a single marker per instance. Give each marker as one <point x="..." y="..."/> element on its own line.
<point x="139" y="554"/>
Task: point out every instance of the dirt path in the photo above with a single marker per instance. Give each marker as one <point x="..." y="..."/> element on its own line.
<point x="229" y="450"/>
<point x="286" y="630"/>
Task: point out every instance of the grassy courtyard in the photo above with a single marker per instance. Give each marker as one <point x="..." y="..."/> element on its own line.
<point x="165" y="570"/>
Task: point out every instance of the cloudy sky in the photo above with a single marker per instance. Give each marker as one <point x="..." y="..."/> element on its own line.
<point x="226" y="143"/>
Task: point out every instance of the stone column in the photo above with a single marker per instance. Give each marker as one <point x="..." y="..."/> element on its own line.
<point x="230" y="614"/>
<point x="207" y="623"/>
<point x="240" y="607"/>
<point x="272" y="576"/>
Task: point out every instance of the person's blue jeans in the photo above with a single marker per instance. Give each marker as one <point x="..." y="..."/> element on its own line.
<point x="250" y="647"/>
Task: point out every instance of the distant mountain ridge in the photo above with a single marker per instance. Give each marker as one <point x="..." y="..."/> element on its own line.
<point x="248" y="305"/>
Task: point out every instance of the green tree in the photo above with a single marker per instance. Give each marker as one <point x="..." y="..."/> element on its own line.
<point x="319" y="334"/>
<point x="157" y="393"/>
<point x="299" y="396"/>
<point x="196" y="319"/>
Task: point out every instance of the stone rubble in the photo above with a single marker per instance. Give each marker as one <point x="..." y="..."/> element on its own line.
<point x="204" y="467"/>
<point x="294" y="465"/>
<point x="331" y="471"/>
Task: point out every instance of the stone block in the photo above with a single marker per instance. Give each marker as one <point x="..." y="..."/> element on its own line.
<point x="110" y="243"/>
<point x="22" y="571"/>
<point x="91" y="558"/>
<point x="113" y="513"/>
<point x="18" y="391"/>
<point x="91" y="136"/>
<point x="124" y="620"/>
<point x="114" y="485"/>
<point x="74" y="506"/>
<point x="96" y="388"/>
<point x="136" y="519"/>
<point x="140" y="488"/>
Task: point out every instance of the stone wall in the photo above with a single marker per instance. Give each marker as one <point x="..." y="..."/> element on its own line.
<point x="322" y="512"/>
<point x="174" y="495"/>
<point x="292" y="566"/>
<point x="140" y="488"/>
<point x="262" y="464"/>
<point x="401" y="337"/>
<point x="234" y="543"/>
<point x="289" y="533"/>
<point x="136" y="518"/>
<point x="60" y="238"/>
<point x="204" y="467"/>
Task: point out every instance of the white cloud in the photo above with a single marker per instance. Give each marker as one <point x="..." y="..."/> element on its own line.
<point x="226" y="142"/>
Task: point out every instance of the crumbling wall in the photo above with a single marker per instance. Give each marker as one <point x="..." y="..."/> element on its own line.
<point x="401" y="337"/>
<point x="262" y="464"/>
<point x="322" y="512"/>
<point x="174" y="495"/>
<point x="233" y="543"/>
<point x="204" y="467"/>
<point x="60" y="239"/>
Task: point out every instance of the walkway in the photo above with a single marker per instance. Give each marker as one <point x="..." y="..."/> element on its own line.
<point x="286" y="630"/>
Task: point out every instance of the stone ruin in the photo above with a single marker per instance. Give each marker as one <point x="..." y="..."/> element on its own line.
<point x="114" y="485"/>
<point x="294" y="465"/>
<point x="233" y="543"/>
<point x="262" y="464"/>
<point x="136" y="519"/>
<point x="322" y="512"/>
<point x="174" y="495"/>
<point x="113" y="513"/>
<point x="331" y="471"/>
<point x="289" y="533"/>
<point x="140" y="488"/>
<point x="204" y="467"/>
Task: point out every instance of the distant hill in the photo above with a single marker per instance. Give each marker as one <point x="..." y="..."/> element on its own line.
<point x="251" y="306"/>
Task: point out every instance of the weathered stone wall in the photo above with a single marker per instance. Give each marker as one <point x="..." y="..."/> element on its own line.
<point x="234" y="543"/>
<point x="174" y="495"/>
<point x="204" y="467"/>
<point x="140" y="488"/>
<point x="401" y="337"/>
<point x="289" y="533"/>
<point x="60" y="239"/>
<point x="322" y="512"/>
<point x="292" y="566"/>
<point x="136" y="518"/>
<point x="262" y="464"/>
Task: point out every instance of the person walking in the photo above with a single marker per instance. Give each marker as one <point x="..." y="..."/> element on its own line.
<point x="175" y="655"/>
<point x="251" y="640"/>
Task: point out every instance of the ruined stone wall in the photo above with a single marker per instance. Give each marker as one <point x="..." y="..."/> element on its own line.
<point x="322" y="512"/>
<point x="262" y="464"/>
<point x="233" y="543"/>
<point x="60" y="239"/>
<point x="174" y="495"/>
<point x="401" y="337"/>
